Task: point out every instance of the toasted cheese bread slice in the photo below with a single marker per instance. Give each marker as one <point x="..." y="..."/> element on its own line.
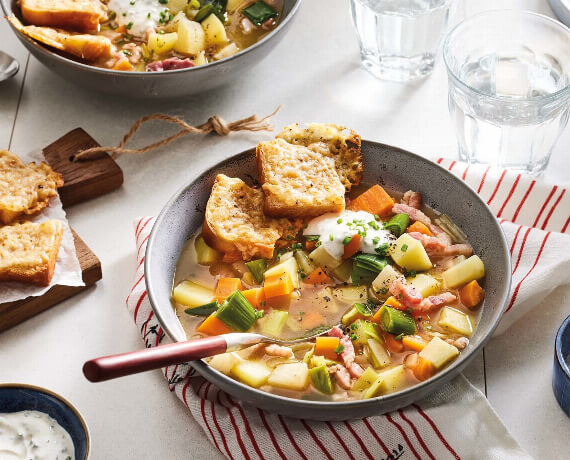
<point x="28" y="251"/>
<point x="235" y="222"/>
<point x="297" y="181"/>
<point x="24" y="189"/>
<point x="79" y="15"/>
<point x="340" y="143"/>
<point x="85" y="46"/>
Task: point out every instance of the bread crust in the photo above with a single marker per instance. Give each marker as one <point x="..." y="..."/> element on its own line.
<point x="297" y="181"/>
<point x="28" y="251"/>
<point x="338" y="142"/>
<point x="79" y="15"/>
<point x="235" y="223"/>
<point x="24" y="189"/>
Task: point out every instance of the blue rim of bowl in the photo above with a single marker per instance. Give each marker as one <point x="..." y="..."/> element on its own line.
<point x="562" y="364"/>
<point x="70" y="406"/>
<point x="205" y="370"/>
<point x="48" y="52"/>
<point x="451" y="73"/>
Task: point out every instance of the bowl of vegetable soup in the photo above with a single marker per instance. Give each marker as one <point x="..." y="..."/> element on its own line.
<point x="405" y="280"/>
<point x="150" y="48"/>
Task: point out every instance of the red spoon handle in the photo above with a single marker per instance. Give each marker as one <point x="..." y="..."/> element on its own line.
<point x="113" y="366"/>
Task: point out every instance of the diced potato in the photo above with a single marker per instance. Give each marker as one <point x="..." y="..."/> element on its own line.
<point x="365" y="380"/>
<point x="192" y="294"/>
<point x="191" y="37"/>
<point x="224" y="362"/>
<point x="375" y="389"/>
<point x="439" y="352"/>
<point x="409" y="253"/>
<point x="378" y="354"/>
<point x="226" y="51"/>
<point x="393" y="379"/>
<point x="382" y="282"/>
<point x="468" y="270"/>
<point x="323" y="259"/>
<point x="425" y="284"/>
<point x="455" y="321"/>
<point x="214" y="30"/>
<point x="205" y="255"/>
<point x="351" y="294"/>
<point x="289" y="266"/>
<point x="294" y="376"/>
<point x="252" y="373"/>
<point x="175" y="6"/>
<point x="344" y="271"/>
<point x="172" y="26"/>
<point x="200" y="59"/>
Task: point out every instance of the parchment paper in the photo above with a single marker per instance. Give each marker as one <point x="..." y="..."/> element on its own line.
<point x="67" y="269"/>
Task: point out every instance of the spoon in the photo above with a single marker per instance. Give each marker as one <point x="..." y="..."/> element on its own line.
<point x="133" y="362"/>
<point x="8" y="66"/>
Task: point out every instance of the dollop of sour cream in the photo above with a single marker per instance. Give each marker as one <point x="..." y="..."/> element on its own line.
<point x="333" y="228"/>
<point x="33" y="435"/>
<point x="137" y="15"/>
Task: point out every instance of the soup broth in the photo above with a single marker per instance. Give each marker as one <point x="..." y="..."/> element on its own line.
<point x="401" y="304"/>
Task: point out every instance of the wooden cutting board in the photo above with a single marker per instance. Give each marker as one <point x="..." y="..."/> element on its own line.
<point x="82" y="181"/>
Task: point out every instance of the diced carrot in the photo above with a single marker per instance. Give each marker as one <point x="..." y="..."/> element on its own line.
<point x="326" y="346"/>
<point x="276" y="286"/>
<point x="254" y="296"/>
<point x="311" y="320"/>
<point x="123" y="64"/>
<point x="310" y="245"/>
<point x="395" y="303"/>
<point x="395" y="346"/>
<point x="471" y="294"/>
<point x="413" y="342"/>
<point x="353" y="247"/>
<point x="213" y="326"/>
<point x="225" y="287"/>
<point x="232" y="257"/>
<point x="318" y="276"/>
<point x="417" y="226"/>
<point x="375" y="200"/>
<point x="423" y="369"/>
<point x="280" y="301"/>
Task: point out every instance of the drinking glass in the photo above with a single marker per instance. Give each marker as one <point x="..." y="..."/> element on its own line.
<point x="509" y="87"/>
<point x="399" y="39"/>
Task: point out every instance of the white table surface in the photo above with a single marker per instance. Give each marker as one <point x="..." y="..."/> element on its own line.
<point x="315" y="74"/>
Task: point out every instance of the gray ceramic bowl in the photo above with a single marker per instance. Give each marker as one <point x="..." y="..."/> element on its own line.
<point x="395" y="169"/>
<point x="156" y="85"/>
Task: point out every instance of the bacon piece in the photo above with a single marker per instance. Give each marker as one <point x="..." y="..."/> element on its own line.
<point x="342" y="376"/>
<point x="405" y="293"/>
<point x="173" y="63"/>
<point x="412" y="199"/>
<point x="437" y="247"/>
<point x="348" y="354"/>
<point x="415" y="214"/>
<point x="434" y="301"/>
<point x="278" y="350"/>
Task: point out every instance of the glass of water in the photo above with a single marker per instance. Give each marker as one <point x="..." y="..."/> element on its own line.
<point x="509" y="87"/>
<point x="399" y="39"/>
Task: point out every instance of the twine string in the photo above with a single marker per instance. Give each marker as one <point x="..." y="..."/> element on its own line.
<point x="215" y="124"/>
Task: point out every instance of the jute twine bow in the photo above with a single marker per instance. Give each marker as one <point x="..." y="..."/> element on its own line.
<point x="214" y="124"/>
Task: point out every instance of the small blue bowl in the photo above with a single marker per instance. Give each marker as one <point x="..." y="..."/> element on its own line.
<point x="561" y="377"/>
<point x="15" y="397"/>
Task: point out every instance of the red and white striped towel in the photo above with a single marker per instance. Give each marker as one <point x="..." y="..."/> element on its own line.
<point x="457" y="421"/>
